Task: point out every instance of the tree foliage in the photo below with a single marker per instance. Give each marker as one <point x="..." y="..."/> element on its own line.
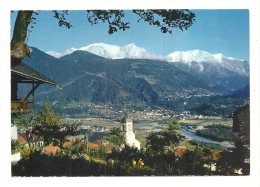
<point x="154" y="143"/>
<point x="168" y="139"/>
<point x="116" y="137"/>
<point x="217" y="132"/>
<point x="211" y="146"/>
<point x="129" y="162"/>
<point x="181" y="19"/>
<point x="171" y="136"/>
<point x="61" y="17"/>
<point x="46" y="124"/>
<point x="192" y="162"/>
<point x="115" y="131"/>
<point x="15" y="146"/>
<point x="112" y="17"/>
<point x="232" y="159"/>
<point x="126" y="154"/>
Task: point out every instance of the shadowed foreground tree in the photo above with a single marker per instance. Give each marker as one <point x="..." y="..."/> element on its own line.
<point x="154" y="143"/>
<point x="47" y="124"/>
<point x="172" y="138"/>
<point x="167" y="140"/>
<point x="164" y="19"/>
<point x="116" y="137"/>
<point x="192" y="163"/>
<point x="231" y="160"/>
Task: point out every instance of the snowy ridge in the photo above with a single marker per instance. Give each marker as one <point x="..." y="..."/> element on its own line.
<point x="113" y="52"/>
<point x="58" y="55"/>
<point x="132" y="51"/>
<point x="194" y="56"/>
<point x="196" y="59"/>
<point x="200" y="58"/>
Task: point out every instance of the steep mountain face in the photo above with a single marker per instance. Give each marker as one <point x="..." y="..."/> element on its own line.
<point x="85" y="77"/>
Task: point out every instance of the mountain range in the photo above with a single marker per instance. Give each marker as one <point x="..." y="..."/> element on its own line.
<point x="213" y="67"/>
<point x="119" y="76"/>
<point x="134" y="52"/>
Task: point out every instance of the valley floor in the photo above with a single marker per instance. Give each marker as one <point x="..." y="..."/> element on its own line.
<point x="143" y="127"/>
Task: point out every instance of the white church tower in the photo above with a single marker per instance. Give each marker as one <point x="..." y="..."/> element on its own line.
<point x="127" y="128"/>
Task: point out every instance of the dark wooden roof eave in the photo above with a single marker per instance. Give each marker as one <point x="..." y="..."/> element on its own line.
<point x="28" y="73"/>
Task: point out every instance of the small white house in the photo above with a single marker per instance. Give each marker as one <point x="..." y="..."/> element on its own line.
<point x="127" y="128"/>
<point x="16" y="156"/>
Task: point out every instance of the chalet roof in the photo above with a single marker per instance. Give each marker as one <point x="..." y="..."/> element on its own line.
<point x="25" y="72"/>
<point x="22" y="138"/>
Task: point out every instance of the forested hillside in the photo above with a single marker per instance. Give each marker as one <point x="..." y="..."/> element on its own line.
<point x="90" y="79"/>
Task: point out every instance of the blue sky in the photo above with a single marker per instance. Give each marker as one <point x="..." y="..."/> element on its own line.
<point x="214" y="31"/>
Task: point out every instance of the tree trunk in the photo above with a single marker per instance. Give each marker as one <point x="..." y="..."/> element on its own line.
<point x="19" y="50"/>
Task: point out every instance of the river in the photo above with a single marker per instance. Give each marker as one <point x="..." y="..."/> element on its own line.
<point x="192" y="135"/>
<point x="188" y="134"/>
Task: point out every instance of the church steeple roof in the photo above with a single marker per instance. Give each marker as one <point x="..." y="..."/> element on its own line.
<point x="126" y="118"/>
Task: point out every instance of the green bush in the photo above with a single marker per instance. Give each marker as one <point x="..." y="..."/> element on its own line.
<point x="15" y="146"/>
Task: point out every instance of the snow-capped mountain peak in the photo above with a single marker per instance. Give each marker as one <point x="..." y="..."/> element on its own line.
<point x="58" y="55"/>
<point x="102" y="49"/>
<point x="113" y="51"/>
<point x="194" y="56"/>
<point x="198" y="60"/>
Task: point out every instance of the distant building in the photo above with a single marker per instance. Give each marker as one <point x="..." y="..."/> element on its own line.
<point x="127" y="128"/>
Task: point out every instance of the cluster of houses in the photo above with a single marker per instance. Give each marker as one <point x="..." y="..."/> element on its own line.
<point x="23" y="74"/>
<point x="30" y="139"/>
